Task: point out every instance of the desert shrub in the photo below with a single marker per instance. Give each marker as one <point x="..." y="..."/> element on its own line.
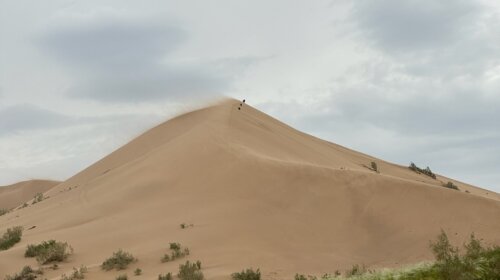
<point x="27" y="273"/>
<point x="190" y="271"/>
<point x="49" y="251"/>
<point x="184" y="225"/>
<point x="122" y="277"/>
<point x="427" y="171"/>
<point x="300" y="277"/>
<point x="248" y="274"/>
<point x="356" y="270"/>
<point x="450" y="185"/>
<point x="374" y="166"/>
<point x="167" y="276"/>
<point x="3" y="211"/>
<point x="119" y="260"/>
<point x="24" y="205"/>
<point x="78" y="273"/>
<point x="10" y="237"/>
<point x="176" y="252"/>
<point x="37" y="198"/>
<point x="137" y="271"/>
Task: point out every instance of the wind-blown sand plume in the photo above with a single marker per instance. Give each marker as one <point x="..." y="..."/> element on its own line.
<point x="259" y="193"/>
<point x="16" y="194"/>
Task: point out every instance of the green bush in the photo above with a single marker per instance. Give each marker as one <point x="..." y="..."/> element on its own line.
<point x="10" y="237"/>
<point x="167" y="276"/>
<point x="122" y="277"/>
<point x="190" y="271"/>
<point x="49" y="251"/>
<point x="78" y="273"/>
<point x="27" y="273"/>
<point x="37" y="198"/>
<point x="119" y="260"/>
<point x="450" y="185"/>
<point x="427" y="171"/>
<point x="356" y="270"/>
<point x="374" y="166"/>
<point x="137" y="272"/>
<point x="248" y="274"/>
<point x="300" y="277"/>
<point x="177" y="252"/>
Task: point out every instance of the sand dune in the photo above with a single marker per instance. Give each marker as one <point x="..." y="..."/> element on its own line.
<point x="16" y="194"/>
<point x="259" y="193"/>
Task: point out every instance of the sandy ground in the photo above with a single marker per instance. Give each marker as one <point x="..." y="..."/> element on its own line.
<point x="259" y="193"/>
<point x="16" y="194"/>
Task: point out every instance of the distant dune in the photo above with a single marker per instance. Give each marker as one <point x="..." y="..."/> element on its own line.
<point x="259" y="193"/>
<point x="16" y="194"/>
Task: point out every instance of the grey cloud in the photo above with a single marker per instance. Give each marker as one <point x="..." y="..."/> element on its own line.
<point x="124" y="61"/>
<point x="23" y="117"/>
<point x="414" y="25"/>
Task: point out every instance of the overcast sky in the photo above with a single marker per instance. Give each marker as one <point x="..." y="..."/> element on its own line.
<point x="400" y="80"/>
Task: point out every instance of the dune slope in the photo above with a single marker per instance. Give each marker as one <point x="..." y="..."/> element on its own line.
<point x="259" y="193"/>
<point x="16" y="194"/>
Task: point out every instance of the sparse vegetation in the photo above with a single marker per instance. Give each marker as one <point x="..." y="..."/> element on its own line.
<point x="119" y="260"/>
<point x="3" y="211"/>
<point x="184" y="225"/>
<point x="167" y="276"/>
<point x="78" y="273"/>
<point x="450" y="185"/>
<point x="427" y="171"/>
<point x="374" y="166"/>
<point x="27" y="273"/>
<point x="37" y="198"/>
<point x="137" y="271"/>
<point x="49" y="251"/>
<point x="190" y="271"/>
<point x="476" y="263"/>
<point x="11" y="237"/>
<point x="24" y="205"/>
<point x="249" y="274"/>
<point x="300" y="277"/>
<point x="122" y="277"/>
<point x="177" y="252"/>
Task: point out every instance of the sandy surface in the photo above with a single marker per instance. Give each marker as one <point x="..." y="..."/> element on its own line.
<point x="16" y="194"/>
<point x="259" y="193"/>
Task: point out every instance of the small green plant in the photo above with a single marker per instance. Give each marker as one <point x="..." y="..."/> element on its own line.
<point x="49" y="251"/>
<point x="24" y="205"/>
<point x="167" y="276"/>
<point x="300" y="277"/>
<point x="356" y="270"/>
<point x="3" y="211"/>
<point x="427" y="171"/>
<point x="374" y="166"/>
<point x="450" y="185"/>
<point x="137" y="271"/>
<point x="249" y="274"/>
<point x="27" y="273"/>
<point x="190" y="271"/>
<point x="177" y="252"/>
<point x="184" y="225"/>
<point x="37" y="198"/>
<point x="78" y="273"/>
<point x="122" y="277"/>
<point x="10" y="237"/>
<point x="119" y="260"/>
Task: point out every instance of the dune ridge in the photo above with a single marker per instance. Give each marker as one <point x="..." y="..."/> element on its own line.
<point x="259" y="193"/>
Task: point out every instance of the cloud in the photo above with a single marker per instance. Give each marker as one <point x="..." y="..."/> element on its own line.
<point x="24" y="117"/>
<point x="120" y="60"/>
<point x="415" y="25"/>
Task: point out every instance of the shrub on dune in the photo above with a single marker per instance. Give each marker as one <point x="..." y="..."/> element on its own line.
<point x="11" y="237"/>
<point x="190" y="271"/>
<point x="27" y="273"/>
<point x="248" y="274"/>
<point x="49" y="251"/>
<point x="119" y="260"/>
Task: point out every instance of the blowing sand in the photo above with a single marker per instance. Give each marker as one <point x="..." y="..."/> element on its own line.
<point x="259" y="193"/>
